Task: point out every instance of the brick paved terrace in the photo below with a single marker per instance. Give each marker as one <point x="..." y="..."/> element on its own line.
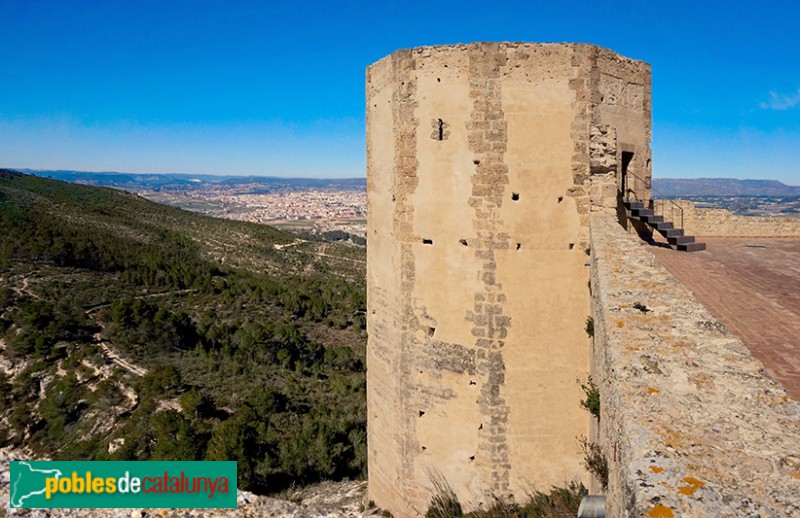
<point x="752" y="286"/>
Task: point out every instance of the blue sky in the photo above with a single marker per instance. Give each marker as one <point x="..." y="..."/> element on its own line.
<point x="277" y="88"/>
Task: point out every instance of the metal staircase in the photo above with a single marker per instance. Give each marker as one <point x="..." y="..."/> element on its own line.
<point x="653" y="213"/>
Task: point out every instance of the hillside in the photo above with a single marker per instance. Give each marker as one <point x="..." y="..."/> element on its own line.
<point x="690" y="187"/>
<point x="130" y="330"/>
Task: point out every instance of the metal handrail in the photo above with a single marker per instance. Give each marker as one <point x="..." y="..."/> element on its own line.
<point x="651" y="202"/>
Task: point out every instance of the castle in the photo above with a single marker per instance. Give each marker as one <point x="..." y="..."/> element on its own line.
<point x="483" y="163"/>
<point x="496" y="175"/>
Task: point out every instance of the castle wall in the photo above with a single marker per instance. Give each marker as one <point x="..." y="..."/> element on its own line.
<point x="690" y="423"/>
<point x="724" y="223"/>
<point x="479" y="187"/>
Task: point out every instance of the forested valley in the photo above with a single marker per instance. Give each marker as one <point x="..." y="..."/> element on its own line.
<point x="130" y="330"/>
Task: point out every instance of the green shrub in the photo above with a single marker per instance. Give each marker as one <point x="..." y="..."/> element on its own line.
<point x="196" y="404"/>
<point x="444" y="502"/>
<point x="594" y="461"/>
<point x="561" y="502"/>
<point x="590" y="327"/>
<point x="592" y="401"/>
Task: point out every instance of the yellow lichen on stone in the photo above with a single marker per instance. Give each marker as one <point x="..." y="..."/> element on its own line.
<point x="676" y="438"/>
<point x="660" y="511"/>
<point x="656" y="469"/>
<point x="793" y="467"/>
<point x="702" y="381"/>
<point x="679" y="346"/>
<point x="692" y="485"/>
<point x="653" y="391"/>
<point x="620" y="324"/>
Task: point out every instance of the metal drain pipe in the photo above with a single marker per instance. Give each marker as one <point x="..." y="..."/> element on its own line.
<point x="592" y="506"/>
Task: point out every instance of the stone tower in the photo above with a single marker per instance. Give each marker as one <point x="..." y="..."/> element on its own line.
<point x="483" y="162"/>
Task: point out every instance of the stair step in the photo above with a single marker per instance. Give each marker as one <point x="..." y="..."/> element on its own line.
<point x="675" y="237"/>
<point x="672" y="232"/>
<point x="692" y="247"/>
<point x="681" y="240"/>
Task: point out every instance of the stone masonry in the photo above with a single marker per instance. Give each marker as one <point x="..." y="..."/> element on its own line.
<point x="691" y="425"/>
<point x="483" y="162"/>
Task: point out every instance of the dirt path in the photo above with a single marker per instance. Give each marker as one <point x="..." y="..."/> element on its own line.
<point x="106" y="346"/>
<point x="293" y="243"/>
<point x="24" y="289"/>
<point x="114" y="357"/>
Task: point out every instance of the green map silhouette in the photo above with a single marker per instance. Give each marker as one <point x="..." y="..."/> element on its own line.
<point x="27" y="481"/>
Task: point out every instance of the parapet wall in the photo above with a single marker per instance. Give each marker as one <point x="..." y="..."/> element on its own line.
<point x="690" y="424"/>
<point x="724" y="223"/>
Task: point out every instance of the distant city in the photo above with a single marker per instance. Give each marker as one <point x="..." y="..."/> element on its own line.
<point x="312" y="205"/>
<point x="743" y="197"/>
<point x="772" y="206"/>
<point x="330" y="205"/>
<point x="310" y="209"/>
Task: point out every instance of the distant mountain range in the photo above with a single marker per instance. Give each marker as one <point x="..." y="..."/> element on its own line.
<point x="664" y="187"/>
<point x="182" y="182"/>
<point x="678" y="187"/>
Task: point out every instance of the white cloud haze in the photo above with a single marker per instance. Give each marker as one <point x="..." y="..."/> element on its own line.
<point x="781" y="102"/>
